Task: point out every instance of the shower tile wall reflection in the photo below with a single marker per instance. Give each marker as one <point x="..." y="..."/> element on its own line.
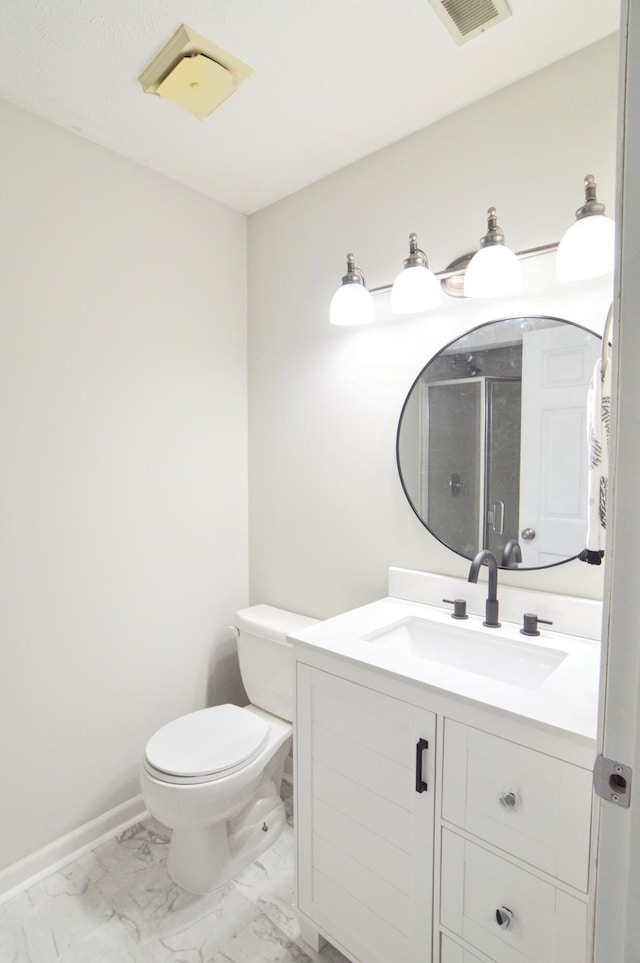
<point x="117" y="904"/>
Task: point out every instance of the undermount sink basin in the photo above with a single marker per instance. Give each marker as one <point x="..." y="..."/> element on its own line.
<point x="521" y="664"/>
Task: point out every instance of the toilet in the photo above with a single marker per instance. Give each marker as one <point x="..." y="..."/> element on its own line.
<point x="213" y="776"/>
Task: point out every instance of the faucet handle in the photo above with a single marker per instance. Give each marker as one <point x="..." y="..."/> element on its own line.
<point x="459" y="608"/>
<point x="530" y="623"/>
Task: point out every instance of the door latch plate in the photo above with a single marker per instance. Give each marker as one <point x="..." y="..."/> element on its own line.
<point x="612" y="781"/>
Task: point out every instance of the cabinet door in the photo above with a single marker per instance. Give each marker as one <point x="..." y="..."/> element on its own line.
<point x="364" y="831"/>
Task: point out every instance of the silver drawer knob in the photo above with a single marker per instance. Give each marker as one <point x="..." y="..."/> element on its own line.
<point x="509" y="800"/>
<point x="528" y="534"/>
<point x="504" y="917"/>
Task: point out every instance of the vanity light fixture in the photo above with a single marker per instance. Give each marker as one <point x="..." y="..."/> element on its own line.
<point x="586" y="251"/>
<point x="494" y="270"/>
<point x="587" y="248"/>
<point x="352" y="303"/>
<point x="416" y="288"/>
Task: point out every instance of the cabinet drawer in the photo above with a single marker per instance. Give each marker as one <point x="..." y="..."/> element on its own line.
<point x="524" y="802"/>
<point x="450" y="952"/>
<point x="546" y="925"/>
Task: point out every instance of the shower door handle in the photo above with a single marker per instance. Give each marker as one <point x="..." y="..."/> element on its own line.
<point x="456" y="485"/>
<point x="496" y="517"/>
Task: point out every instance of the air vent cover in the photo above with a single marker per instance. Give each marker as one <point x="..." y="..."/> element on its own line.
<point x="465" y="19"/>
<point x="194" y="73"/>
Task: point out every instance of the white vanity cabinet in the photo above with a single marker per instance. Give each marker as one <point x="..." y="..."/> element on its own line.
<point x="490" y="862"/>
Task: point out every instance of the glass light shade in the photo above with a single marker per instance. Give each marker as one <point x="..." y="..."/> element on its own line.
<point x="494" y="271"/>
<point x="587" y="249"/>
<point x="352" y="304"/>
<point x="415" y="289"/>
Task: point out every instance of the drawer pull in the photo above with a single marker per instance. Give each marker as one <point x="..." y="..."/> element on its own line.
<point x="504" y="917"/>
<point x="509" y="800"/>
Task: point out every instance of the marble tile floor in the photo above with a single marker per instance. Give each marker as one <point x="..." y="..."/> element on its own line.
<point x="117" y="904"/>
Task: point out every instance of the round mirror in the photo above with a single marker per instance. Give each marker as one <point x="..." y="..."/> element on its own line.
<point x="491" y="443"/>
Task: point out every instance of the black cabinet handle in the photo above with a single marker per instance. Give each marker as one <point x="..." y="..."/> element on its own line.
<point x="421" y="745"/>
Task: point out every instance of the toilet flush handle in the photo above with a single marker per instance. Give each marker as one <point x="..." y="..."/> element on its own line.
<point x="235" y="630"/>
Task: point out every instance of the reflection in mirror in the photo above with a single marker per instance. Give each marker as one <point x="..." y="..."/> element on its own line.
<point x="491" y="443"/>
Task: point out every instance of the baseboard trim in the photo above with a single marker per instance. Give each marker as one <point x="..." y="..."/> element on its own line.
<point x="19" y="876"/>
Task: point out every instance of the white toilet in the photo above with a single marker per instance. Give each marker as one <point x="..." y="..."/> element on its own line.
<point x="214" y="776"/>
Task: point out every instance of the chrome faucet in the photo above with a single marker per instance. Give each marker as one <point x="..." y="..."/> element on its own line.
<point x="491" y="605"/>
<point x="511" y="554"/>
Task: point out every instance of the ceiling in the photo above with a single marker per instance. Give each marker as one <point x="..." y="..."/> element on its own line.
<point x="333" y="80"/>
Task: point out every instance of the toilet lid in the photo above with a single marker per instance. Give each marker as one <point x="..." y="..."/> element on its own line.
<point x="207" y="742"/>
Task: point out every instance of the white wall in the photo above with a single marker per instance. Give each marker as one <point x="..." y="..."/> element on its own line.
<point x="327" y="513"/>
<point x="123" y="539"/>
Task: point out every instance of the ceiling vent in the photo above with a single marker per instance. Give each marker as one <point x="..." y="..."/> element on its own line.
<point x="465" y="19"/>
<point x="194" y="73"/>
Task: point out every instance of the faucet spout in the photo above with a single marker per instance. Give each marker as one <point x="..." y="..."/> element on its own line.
<point x="485" y="557"/>
<point x="511" y="554"/>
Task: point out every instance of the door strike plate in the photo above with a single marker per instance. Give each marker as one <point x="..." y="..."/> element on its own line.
<point x="612" y="781"/>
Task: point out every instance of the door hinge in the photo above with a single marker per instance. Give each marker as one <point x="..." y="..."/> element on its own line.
<point x="612" y="781"/>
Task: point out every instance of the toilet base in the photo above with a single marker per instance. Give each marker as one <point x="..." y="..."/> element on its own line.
<point x="203" y="859"/>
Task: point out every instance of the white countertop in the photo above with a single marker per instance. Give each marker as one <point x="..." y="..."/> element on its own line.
<point x="566" y="700"/>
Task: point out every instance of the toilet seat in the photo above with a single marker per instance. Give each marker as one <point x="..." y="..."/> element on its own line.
<point x="206" y="745"/>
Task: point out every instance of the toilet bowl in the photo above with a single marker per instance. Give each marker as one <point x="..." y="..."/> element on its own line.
<point x="213" y="776"/>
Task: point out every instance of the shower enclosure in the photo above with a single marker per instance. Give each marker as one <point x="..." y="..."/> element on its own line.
<point x="469" y="461"/>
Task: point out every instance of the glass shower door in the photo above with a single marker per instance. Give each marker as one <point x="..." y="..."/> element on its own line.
<point x="502" y="468"/>
<point x="452" y="476"/>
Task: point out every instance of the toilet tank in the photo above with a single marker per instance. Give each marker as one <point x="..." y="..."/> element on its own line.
<point x="265" y="658"/>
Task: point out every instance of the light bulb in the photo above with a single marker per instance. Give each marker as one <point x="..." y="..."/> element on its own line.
<point x="494" y="271"/>
<point x="352" y="304"/>
<point x="414" y="290"/>
<point x="587" y="249"/>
